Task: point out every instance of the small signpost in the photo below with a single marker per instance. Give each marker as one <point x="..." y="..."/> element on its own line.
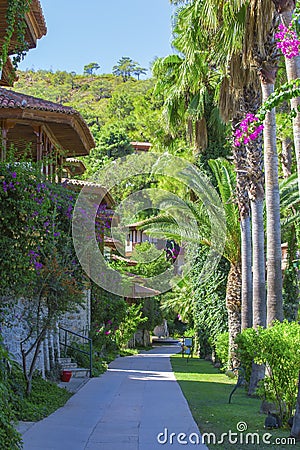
<point x="187" y="346"/>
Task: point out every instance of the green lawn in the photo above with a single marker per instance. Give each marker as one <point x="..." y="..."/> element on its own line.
<point x="207" y="391"/>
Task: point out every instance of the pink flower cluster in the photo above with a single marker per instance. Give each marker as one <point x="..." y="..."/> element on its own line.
<point x="287" y="41"/>
<point x="247" y="130"/>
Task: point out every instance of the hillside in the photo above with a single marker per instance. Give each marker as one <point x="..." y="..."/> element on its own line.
<point x="103" y="100"/>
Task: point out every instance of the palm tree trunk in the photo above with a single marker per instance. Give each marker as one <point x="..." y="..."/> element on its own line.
<point x="274" y="274"/>
<point x="286" y="156"/>
<point x="256" y="194"/>
<point x="286" y="9"/>
<point x="293" y="72"/>
<point x="233" y="303"/>
<point x="252" y="98"/>
<point x="246" y="246"/>
<point x="259" y="283"/>
<point x="242" y="184"/>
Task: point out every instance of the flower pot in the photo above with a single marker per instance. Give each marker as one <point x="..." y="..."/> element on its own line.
<point x="66" y="376"/>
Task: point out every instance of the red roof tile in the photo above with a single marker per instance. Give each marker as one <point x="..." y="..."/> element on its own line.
<point x="16" y="100"/>
<point x="66" y="123"/>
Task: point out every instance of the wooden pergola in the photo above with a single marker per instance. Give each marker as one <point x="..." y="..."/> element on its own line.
<point x="35" y="28"/>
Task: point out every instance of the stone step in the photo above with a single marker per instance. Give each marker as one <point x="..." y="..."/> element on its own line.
<point x="68" y="365"/>
<point x="64" y="360"/>
<point x="80" y="372"/>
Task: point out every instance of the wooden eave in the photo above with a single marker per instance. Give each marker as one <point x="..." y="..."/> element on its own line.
<point x="36" y="19"/>
<point x="35" y="25"/>
<point x="68" y="130"/>
<point x="141" y="146"/>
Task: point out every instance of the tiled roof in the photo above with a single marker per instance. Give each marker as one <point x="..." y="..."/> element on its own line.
<point x="65" y="123"/>
<point x="16" y="100"/>
<point x="94" y="186"/>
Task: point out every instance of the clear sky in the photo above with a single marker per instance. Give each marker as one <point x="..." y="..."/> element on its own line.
<point x="102" y="31"/>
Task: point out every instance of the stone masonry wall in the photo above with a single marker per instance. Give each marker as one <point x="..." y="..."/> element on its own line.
<point x="17" y="329"/>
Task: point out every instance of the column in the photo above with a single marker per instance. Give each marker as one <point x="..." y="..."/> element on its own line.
<point x="4" y="142"/>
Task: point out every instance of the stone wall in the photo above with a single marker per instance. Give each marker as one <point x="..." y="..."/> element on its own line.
<point x="17" y="329"/>
<point x="79" y="320"/>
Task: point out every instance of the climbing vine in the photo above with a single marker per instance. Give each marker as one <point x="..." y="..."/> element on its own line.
<point x="252" y="125"/>
<point x="15" y="17"/>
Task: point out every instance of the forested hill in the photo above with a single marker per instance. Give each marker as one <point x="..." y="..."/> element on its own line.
<point x="103" y="100"/>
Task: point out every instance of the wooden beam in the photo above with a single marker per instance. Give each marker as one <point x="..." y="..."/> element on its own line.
<point x="5" y="127"/>
<point x="4" y="143"/>
<point x="39" y="141"/>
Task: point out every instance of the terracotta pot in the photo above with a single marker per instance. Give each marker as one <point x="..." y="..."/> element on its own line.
<point x="66" y="375"/>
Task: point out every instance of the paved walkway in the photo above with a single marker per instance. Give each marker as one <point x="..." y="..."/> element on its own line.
<point x="126" y="408"/>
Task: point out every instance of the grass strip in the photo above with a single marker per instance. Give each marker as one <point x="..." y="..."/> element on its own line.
<point x="207" y="391"/>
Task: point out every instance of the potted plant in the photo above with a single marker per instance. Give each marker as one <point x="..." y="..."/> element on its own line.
<point x="66" y="375"/>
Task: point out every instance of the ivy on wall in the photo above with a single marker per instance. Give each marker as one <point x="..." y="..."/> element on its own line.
<point x="15" y="17"/>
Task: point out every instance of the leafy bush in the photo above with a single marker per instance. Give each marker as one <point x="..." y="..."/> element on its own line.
<point x="9" y="437"/>
<point x="37" y="256"/>
<point x="222" y="348"/>
<point x="129" y="326"/>
<point x="248" y="343"/>
<point x="210" y="313"/>
<point x="45" y="398"/>
<point x="278" y="347"/>
<point x="108" y="311"/>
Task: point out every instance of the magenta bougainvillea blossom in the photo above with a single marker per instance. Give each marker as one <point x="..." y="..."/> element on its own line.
<point x="248" y="130"/>
<point x="287" y="41"/>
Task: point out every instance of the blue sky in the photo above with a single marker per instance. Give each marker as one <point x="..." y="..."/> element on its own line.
<point x="102" y="31"/>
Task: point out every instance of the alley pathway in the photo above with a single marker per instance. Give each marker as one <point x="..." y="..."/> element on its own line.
<point x="136" y="405"/>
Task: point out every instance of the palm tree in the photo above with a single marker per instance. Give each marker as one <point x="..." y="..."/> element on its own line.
<point x="252" y="99"/>
<point x="196" y="24"/>
<point x="242" y="85"/>
<point x="165" y="224"/>
<point x="242" y="197"/>
<point x="290" y="201"/>
<point x="190" y="79"/>
<point x="268" y="70"/>
<point x="259" y="50"/>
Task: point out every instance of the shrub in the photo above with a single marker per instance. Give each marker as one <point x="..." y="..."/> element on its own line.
<point x="129" y="326"/>
<point x="45" y="398"/>
<point x="222" y="348"/>
<point x="247" y="351"/>
<point x="9" y="437"/>
<point x="278" y="347"/>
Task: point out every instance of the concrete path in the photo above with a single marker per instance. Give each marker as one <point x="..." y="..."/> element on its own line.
<point x="135" y="405"/>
